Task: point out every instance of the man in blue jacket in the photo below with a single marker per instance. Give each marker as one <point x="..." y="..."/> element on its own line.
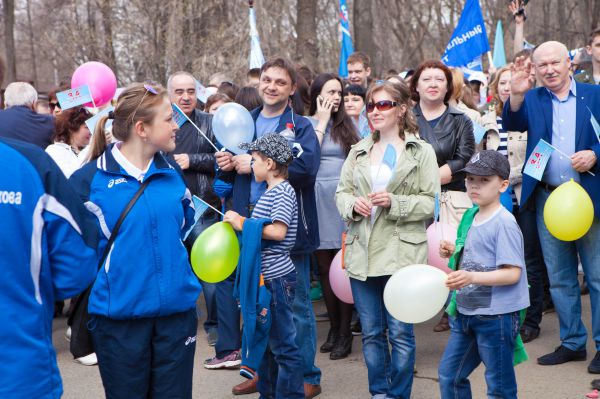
<point x="559" y="113"/>
<point x="277" y="84"/>
<point x="47" y="252"/>
<point x="20" y="121"/>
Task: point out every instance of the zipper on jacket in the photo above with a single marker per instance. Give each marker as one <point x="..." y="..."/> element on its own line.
<point x="302" y="212"/>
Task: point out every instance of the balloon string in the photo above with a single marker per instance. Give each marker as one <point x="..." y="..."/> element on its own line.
<point x="197" y="128"/>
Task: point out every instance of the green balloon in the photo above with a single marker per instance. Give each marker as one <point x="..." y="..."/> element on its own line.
<point x="215" y="253"/>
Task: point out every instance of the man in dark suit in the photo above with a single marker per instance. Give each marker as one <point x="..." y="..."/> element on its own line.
<point x="19" y="120"/>
<point x="559" y="112"/>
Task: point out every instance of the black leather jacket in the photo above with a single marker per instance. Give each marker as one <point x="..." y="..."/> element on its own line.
<point x="199" y="176"/>
<point x="452" y="140"/>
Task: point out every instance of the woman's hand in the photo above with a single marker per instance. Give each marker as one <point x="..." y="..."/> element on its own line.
<point x="324" y="108"/>
<point x="362" y="207"/>
<point x="446" y="249"/>
<point x="381" y="198"/>
<point x="234" y="219"/>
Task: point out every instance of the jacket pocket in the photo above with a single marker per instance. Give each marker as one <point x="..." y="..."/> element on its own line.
<point x="412" y="247"/>
<point x="348" y="249"/>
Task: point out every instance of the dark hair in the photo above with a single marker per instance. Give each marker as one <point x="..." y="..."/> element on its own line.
<point x="215" y="98"/>
<point x="301" y="98"/>
<point x="228" y="88"/>
<point x="52" y="94"/>
<point x="68" y="122"/>
<point x="306" y="73"/>
<point x="356" y="90"/>
<point x="523" y="53"/>
<point x="135" y="104"/>
<point x="343" y="130"/>
<point x="281" y="169"/>
<point x="249" y="98"/>
<point x="431" y="64"/>
<point x="284" y="64"/>
<point x="592" y="36"/>
<point x="253" y="73"/>
<point x="400" y="93"/>
<point x="359" y="56"/>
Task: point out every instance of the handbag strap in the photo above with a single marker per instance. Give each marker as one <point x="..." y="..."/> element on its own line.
<point x="115" y="230"/>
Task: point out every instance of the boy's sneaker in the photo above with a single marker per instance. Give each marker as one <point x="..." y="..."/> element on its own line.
<point x="89" y="360"/>
<point x="231" y="361"/>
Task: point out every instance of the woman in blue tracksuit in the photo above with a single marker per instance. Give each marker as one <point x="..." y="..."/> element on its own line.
<point x="143" y="302"/>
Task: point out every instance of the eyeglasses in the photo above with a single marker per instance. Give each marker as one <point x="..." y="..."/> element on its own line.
<point x="149" y="89"/>
<point x="54" y="105"/>
<point x="384" y="105"/>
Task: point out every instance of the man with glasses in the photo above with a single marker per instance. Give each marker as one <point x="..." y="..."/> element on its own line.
<point x="559" y="112"/>
<point x="20" y="121"/>
<point x="195" y="156"/>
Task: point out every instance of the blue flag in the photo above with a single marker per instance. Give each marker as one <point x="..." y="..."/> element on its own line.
<point x="256" y="56"/>
<point x="595" y="124"/>
<point x="537" y="161"/>
<point x="499" y="54"/>
<point x="346" y="45"/>
<point x="478" y="131"/>
<point x="178" y="116"/>
<point x="436" y="208"/>
<point x="469" y="39"/>
<point x="93" y="121"/>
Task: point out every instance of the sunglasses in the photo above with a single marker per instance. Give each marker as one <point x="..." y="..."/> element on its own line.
<point x="384" y="105"/>
<point x="149" y="89"/>
<point x="53" y="105"/>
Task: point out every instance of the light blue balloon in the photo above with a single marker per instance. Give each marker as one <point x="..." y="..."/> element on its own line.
<point x="506" y="199"/>
<point x="232" y="125"/>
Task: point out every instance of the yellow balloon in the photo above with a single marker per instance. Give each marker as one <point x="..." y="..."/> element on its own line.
<point x="569" y="212"/>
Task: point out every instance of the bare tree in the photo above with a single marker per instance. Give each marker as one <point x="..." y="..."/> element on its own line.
<point x="307" y="48"/>
<point x="9" y="39"/>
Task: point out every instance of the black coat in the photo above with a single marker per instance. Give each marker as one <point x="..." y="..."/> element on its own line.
<point x="452" y="140"/>
<point x="200" y="175"/>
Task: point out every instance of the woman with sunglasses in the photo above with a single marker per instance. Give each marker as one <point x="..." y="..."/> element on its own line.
<point x="386" y="194"/>
<point x="71" y="135"/>
<point x="143" y="302"/>
<point x="450" y="133"/>
<point x="336" y="133"/>
<point x="53" y="103"/>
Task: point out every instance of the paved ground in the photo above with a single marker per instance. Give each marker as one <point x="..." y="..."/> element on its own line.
<point x="347" y="378"/>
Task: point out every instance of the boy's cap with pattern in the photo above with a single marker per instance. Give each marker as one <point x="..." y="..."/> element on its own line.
<point x="488" y="163"/>
<point x="271" y="145"/>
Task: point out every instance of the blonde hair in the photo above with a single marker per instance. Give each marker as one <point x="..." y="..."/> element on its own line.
<point x="461" y="92"/>
<point x="400" y="93"/>
<point x="135" y="104"/>
<point x="494" y="88"/>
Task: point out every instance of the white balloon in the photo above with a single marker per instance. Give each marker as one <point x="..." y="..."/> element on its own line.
<point x="232" y="124"/>
<point x="415" y="293"/>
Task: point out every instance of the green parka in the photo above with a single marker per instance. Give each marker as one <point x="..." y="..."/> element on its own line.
<point x="397" y="238"/>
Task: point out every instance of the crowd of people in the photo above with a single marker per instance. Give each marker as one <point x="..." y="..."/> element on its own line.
<point x="360" y="167"/>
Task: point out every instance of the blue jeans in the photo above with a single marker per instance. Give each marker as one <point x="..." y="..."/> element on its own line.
<point x="561" y="261"/>
<point x="535" y="266"/>
<point x="389" y="376"/>
<point x="209" y="289"/>
<point x="281" y="367"/>
<point x="228" y="328"/>
<point x="304" y="319"/>
<point x="476" y="339"/>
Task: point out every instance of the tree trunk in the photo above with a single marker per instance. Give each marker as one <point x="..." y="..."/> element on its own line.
<point x="307" y="49"/>
<point x="9" y="40"/>
<point x="364" y="32"/>
<point x="107" y="16"/>
<point x="562" y="22"/>
<point x="32" y="44"/>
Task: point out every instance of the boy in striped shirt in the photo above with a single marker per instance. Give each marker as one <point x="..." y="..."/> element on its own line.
<point x="281" y="368"/>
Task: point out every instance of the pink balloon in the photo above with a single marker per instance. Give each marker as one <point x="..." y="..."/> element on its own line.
<point x="435" y="233"/>
<point x="100" y="79"/>
<point x="340" y="282"/>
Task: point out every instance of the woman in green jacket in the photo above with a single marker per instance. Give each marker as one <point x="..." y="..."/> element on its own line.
<point x="386" y="193"/>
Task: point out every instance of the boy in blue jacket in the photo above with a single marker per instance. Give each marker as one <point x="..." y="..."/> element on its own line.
<point x="280" y="370"/>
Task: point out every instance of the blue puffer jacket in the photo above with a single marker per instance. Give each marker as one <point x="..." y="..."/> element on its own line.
<point x="146" y="273"/>
<point x="302" y="175"/>
<point x="47" y="252"/>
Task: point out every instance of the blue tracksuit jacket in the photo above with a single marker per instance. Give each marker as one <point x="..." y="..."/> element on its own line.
<point x="147" y="272"/>
<point x="47" y="252"/>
